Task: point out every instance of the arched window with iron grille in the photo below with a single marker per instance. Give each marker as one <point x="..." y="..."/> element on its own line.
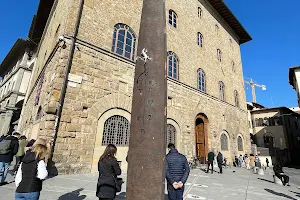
<point x="171" y="134"/>
<point x="116" y="131"/>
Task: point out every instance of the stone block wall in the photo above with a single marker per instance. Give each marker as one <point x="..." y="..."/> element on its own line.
<point x="107" y="80"/>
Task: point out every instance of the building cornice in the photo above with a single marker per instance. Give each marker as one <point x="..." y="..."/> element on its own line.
<point x="13" y="73"/>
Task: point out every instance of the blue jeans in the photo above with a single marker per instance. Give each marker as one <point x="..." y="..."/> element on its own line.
<point x="27" y="196"/>
<point x="175" y="194"/>
<point x="5" y="171"/>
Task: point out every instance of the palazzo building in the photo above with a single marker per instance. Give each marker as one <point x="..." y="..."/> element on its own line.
<point x="206" y="98"/>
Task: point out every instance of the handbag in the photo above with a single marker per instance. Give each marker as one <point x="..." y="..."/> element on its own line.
<point x="119" y="182"/>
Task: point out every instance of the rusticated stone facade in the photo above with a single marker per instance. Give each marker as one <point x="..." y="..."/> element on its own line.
<point x="101" y="81"/>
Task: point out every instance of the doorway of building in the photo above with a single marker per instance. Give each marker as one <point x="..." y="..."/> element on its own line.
<point x="201" y="137"/>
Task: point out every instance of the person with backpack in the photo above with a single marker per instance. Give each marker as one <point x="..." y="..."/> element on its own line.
<point x="21" y="152"/>
<point x="8" y="148"/>
<point x="31" y="173"/>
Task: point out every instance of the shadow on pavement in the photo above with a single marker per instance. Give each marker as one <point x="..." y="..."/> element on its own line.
<point x="122" y="196"/>
<point x="297" y="193"/>
<point x="265" y="180"/>
<point x="74" y="195"/>
<point x="280" y="194"/>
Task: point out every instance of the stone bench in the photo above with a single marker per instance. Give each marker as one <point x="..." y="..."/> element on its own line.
<point x="277" y="181"/>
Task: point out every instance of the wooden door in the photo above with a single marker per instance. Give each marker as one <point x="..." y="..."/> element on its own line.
<point x="200" y="142"/>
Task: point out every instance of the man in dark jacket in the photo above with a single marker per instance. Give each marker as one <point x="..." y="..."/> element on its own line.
<point x="177" y="173"/>
<point x="10" y="146"/>
<point x="210" y="161"/>
<point x="220" y="162"/>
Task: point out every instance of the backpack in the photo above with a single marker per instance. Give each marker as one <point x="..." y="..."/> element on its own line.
<point x="5" y="147"/>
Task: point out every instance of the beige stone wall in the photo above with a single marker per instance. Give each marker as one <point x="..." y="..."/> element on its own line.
<point x="107" y="81"/>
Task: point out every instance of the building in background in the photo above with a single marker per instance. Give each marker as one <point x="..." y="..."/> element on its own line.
<point x="15" y="72"/>
<point x="276" y="133"/>
<point x="206" y="98"/>
<point x="294" y="79"/>
<point x="16" y="68"/>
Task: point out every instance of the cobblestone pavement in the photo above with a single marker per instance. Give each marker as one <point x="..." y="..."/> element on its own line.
<point x="234" y="184"/>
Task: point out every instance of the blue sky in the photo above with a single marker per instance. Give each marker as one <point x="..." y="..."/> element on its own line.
<point x="273" y="25"/>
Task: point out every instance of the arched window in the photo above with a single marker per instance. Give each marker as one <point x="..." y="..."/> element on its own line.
<point x="219" y="55"/>
<point x="268" y="140"/>
<point x="201" y="80"/>
<point x="173" y="18"/>
<point x="172" y="65"/>
<point x="171" y="134"/>
<point x="199" y="12"/>
<point x="124" y="41"/>
<point x="240" y="144"/>
<point x="224" y="142"/>
<point x="236" y="98"/>
<point x="116" y="131"/>
<point x="233" y="66"/>
<point x="200" y="40"/>
<point x="221" y="91"/>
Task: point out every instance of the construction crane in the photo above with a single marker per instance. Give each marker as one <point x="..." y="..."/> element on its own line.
<point x="253" y="85"/>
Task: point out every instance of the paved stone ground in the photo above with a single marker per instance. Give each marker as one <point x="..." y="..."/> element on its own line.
<point x="238" y="185"/>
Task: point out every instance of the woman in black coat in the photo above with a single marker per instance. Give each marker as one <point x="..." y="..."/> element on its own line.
<point x="109" y="169"/>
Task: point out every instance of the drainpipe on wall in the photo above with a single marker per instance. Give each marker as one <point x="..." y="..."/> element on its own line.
<point x="66" y="77"/>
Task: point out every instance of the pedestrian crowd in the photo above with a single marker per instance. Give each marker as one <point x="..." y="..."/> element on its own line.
<point x="32" y="156"/>
<point x="30" y="166"/>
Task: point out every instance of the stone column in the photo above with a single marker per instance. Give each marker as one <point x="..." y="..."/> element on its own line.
<point x="146" y="167"/>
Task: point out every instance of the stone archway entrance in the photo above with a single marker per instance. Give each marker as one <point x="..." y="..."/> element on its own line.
<point x="201" y="125"/>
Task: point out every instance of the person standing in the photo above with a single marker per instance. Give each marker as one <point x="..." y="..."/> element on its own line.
<point x="220" y="162"/>
<point x="109" y="169"/>
<point x="252" y="160"/>
<point x="177" y="173"/>
<point x="31" y="173"/>
<point x="267" y="161"/>
<point x="21" y="152"/>
<point x="247" y="162"/>
<point x="8" y="148"/>
<point x="279" y="172"/>
<point x="241" y="160"/>
<point x="210" y="161"/>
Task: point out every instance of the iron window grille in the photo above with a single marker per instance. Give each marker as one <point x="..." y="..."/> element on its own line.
<point x="116" y="131"/>
<point x="171" y="134"/>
